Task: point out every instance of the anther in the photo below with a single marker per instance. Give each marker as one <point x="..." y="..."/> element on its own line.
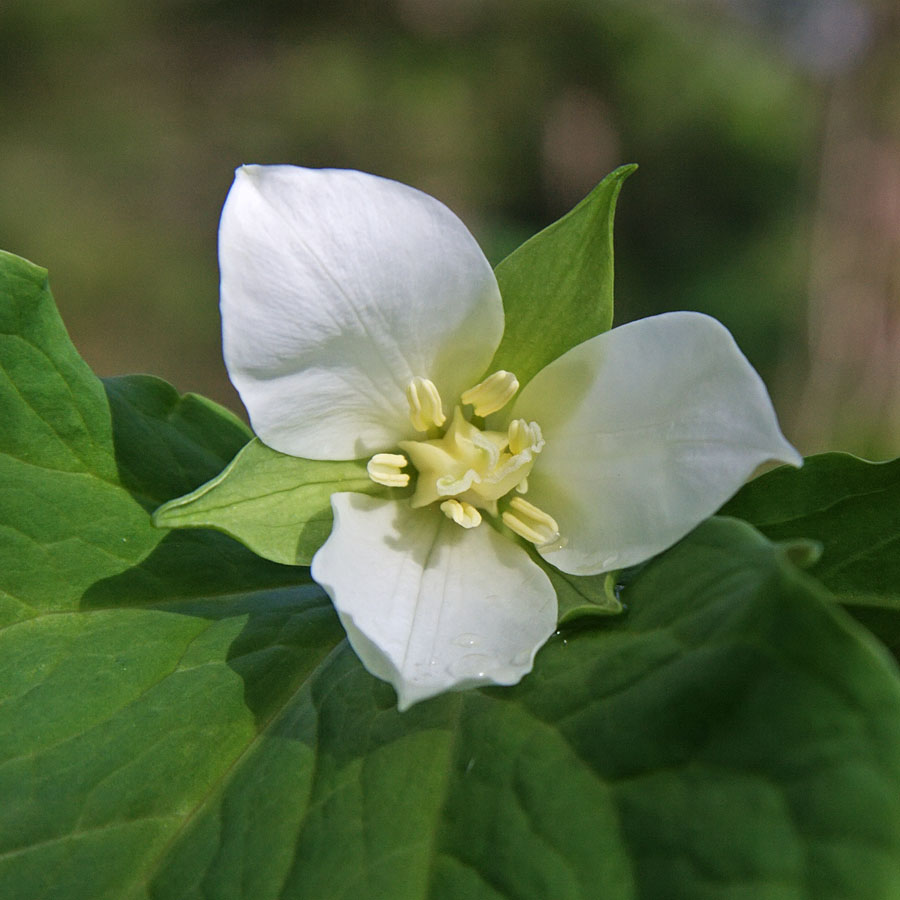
<point x="384" y="468"/>
<point x="531" y="523"/>
<point x="493" y="393"/>
<point x="461" y="512"/>
<point x="524" y="436"/>
<point x="425" y="409"/>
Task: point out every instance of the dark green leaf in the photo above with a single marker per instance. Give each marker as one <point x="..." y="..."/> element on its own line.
<point x="91" y="787"/>
<point x="164" y="442"/>
<point x="851" y="507"/>
<point x="731" y="736"/>
<point x="172" y="736"/>
<point x="557" y="288"/>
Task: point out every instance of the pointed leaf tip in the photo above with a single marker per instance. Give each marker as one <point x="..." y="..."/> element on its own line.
<point x="567" y="267"/>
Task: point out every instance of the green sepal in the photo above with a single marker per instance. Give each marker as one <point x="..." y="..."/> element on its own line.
<point x="557" y="288"/>
<point x="581" y="596"/>
<point x="277" y="505"/>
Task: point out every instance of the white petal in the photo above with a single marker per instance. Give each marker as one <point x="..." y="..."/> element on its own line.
<point x="430" y="606"/>
<point x="337" y="289"/>
<point x="649" y="428"/>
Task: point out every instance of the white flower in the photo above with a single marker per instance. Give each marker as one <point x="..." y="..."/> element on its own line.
<point x="360" y="318"/>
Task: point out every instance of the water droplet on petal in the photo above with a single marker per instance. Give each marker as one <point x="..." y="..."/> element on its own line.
<point x="466" y="640"/>
<point x="473" y="665"/>
<point x="521" y="659"/>
<point x="423" y="672"/>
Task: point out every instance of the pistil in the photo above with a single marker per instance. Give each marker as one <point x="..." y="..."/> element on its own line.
<point x="466" y="469"/>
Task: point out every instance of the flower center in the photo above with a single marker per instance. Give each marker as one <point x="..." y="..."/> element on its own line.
<point x="467" y="469"/>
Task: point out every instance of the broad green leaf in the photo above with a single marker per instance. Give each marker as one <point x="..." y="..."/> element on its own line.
<point x="732" y="736"/>
<point x="54" y="442"/>
<point x="170" y="735"/>
<point x="279" y="506"/>
<point x="557" y="288"/>
<point x="79" y="467"/>
<point x="165" y="442"/>
<point x="852" y="508"/>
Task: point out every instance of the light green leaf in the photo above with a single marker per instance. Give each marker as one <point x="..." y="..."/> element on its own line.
<point x="557" y="288"/>
<point x="279" y="506"/>
<point x="172" y="736"/>
<point x="60" y="499"/>
<point x="80" y="466"/>
<point x="852" y="508"/>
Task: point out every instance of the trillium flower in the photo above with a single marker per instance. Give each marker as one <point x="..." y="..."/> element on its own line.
<point x="360" y="319"/>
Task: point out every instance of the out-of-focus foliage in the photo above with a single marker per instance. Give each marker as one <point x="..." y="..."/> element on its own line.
<point x="122" y="124"/>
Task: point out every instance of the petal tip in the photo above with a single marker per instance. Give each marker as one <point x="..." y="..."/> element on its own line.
<point x="248" y="172"/>
<point x="428" y="607"/>
<point x="792" y="456"/>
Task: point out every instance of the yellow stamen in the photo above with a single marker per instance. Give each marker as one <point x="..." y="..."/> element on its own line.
<point x="463" y="467"/>
<point x="466" y="463"/>
<point x="384" y="468"/>
<point x="493" y="393"/>
<point x="461" y="512"/>
<point x="531" y="523"/>
<point x="524" y="435"/>
<point x="425" y="409"/>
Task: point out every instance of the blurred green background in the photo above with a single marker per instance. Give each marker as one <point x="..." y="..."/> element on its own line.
<point x="768" y="136"/>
